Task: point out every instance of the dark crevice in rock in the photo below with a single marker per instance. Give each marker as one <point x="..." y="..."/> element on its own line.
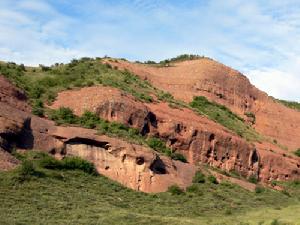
<point x="254" y="157"/>
<point x="140" y="160"/>
<point x="87" y="141"/>
<point x="158" y="166"/>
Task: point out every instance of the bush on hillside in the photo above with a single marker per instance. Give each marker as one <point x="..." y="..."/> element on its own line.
<point x="199" y="177"/>
<point x="38" y="108"/>
<point x="253" y="179"/>
<point x="68" y="163"/>
<point x="297" y="152"/>
<point x="212" y="179"/>
<point x="175" y="190"/>
<point x="63" y="115"/>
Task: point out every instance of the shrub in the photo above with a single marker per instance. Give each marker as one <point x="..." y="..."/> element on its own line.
<point x="160" y="146"/>
<point x="26" y="171"/>
<point x="38" y="108"/>
<point x="68" y="163"/>
<point x="156" y="144"/>
<point x="76" y="163"/>
<point x="175" y="190"/>
<point x="63" y="115"/>
<point x="49" y="162"/>
<point x="285" y="192"/>
<point x="89" y="120"/>
<point x="259" y="189"/>
<point x="253" y="179"/>
<point x="165" y="96"/>
<point x="297" y="152"/>
<point x="178" y="156"/>
<point x="199" y="177"/>
<point x="212" y="179"/>
<point x="89" y="83"/>
<point x="193" y="188"/>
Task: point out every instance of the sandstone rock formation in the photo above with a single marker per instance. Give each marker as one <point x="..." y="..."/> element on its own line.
<point x="13" y="96"/>
<point x="206" y="77"/>
<point x="110" y="104"/>
<point x="198" y="138"/>
<point x="134" y="166"/>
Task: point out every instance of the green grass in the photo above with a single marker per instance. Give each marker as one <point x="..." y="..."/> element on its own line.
<point x="290" y="104"/>
<point x="297" y="152"/>
<point x="75" y="197"/>
<point x="225" y="117"/>
<point x="43" y="83"/>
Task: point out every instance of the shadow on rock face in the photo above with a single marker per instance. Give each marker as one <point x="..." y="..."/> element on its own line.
<point x="158" y="166"/>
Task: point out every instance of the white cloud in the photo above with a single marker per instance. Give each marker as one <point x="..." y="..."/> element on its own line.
<point x="276" y="83"/>
<point x="258" y="38"/>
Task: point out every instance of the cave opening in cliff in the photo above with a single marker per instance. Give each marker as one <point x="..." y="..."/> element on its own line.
<point x="158" y="166"/>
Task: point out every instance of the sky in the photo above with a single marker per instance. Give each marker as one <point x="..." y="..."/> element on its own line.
<point x="259" y="38"/>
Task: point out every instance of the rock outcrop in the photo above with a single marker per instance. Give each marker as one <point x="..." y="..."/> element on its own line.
<point x="219" y="83"/>
<point x="110" y="104"/>
<point x="198" y="138"/>
<point x="134" y="166"/>
<point x="13" y="96"/>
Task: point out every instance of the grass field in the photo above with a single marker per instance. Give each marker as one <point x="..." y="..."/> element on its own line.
<point x="75" y="197"/>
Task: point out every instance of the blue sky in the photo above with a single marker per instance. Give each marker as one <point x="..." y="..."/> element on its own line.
<point x="259" y="38"/>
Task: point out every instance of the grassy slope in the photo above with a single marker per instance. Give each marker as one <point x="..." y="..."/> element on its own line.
<point x="73" y="197"/>
<point x="225" y="117"/>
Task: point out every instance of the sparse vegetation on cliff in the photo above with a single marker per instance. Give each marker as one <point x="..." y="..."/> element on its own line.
<point x="90" y="120"/>
<point x="224" y="116"/>
<point x="297" y="152"/>
<point x="291" y="104"/>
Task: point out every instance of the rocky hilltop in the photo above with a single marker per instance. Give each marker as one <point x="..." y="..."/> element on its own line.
<point x="149" y="126"/>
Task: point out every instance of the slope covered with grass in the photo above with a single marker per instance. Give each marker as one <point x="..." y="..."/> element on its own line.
<point x="291" y="104"/>
<point x="58" y="195"/>
<point x="225" y="117"/>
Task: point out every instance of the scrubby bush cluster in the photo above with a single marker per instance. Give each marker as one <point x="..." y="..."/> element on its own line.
<point x="297" y="152"/>
<point x="182" y="57"/>
<point x="160" y="146"/>
<point x="175" y="190"/>
<point x="199" y="177"/>
<point x="68" y="163"/>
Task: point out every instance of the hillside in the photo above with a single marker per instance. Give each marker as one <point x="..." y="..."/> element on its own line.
<point x="219" y="83"/>
<point x="190" y="126"/>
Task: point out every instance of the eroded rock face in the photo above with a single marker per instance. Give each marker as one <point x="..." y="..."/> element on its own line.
<point x="108" y="103"/>
<point x="219" y="83"/>
<point x="196" y="137"/>
<point x="134" y="166"/>
<point x="12" y="95"/>
<point x="203" y="141"/>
